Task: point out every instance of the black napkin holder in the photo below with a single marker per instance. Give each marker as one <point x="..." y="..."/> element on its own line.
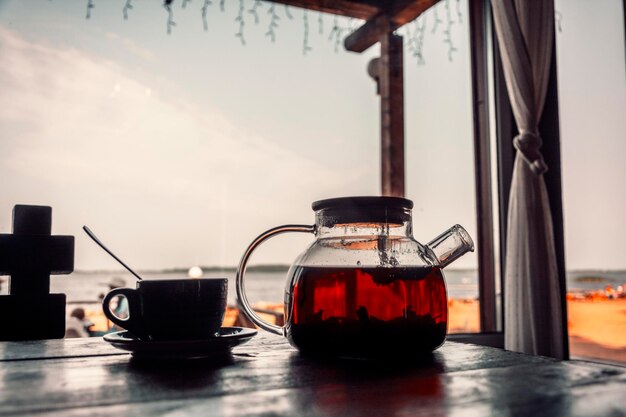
<point x="30" y="255"/>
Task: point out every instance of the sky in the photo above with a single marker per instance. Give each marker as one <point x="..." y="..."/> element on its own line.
<point x="592" y="100"/>
<point x="178" y="149"/>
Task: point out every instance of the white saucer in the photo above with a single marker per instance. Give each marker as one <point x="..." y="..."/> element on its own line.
<point x="182" y="349"/>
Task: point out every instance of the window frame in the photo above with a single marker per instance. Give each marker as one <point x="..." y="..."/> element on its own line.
<point x="483" y="46"/>
<point x="490" y="324"/>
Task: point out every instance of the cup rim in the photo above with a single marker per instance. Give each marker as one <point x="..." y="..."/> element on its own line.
<point x="177" y="280"/>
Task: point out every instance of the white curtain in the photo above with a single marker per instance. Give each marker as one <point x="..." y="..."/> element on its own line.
<point x="533" y="321"/>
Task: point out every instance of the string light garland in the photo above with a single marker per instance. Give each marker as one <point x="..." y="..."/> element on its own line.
<point x="127" y="6"/>
<point x="288" y="13"/>
<point x="273" y="23"/>
<point x="448" y="31"/>
<point x="415" y="40"/>
<point x="438" y="21"/>
<point x="90" y="6"/>
<point x="170" y="16"/>
<point x="242" y="23"/>
<point x="253" y="11"/>
<point x="305" y="43"/>
<point x="335" y="33"/>
<point x="415" y="32"/>
<point x="320" y="24"/>
<point x="205" y="12"/>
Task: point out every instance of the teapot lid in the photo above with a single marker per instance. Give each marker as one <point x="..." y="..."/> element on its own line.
<point x="363" y="209"/>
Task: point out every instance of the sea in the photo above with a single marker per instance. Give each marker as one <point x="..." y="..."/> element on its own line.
<point x="268" y="285"/>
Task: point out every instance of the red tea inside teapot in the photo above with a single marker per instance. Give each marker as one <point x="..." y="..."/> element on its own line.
<point x="365" y="311"/>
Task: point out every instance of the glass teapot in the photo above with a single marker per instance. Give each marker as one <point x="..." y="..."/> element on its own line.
<point x="365" y="287"/>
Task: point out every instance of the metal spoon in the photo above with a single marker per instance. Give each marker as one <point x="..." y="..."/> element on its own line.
<point x="95" y="239"/>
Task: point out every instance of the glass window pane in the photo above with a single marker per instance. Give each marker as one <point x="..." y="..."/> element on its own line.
<point x="592" y="93"/>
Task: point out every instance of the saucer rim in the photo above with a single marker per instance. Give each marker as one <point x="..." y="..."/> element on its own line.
<point x="159" y="350"/>
<point x="122" y="337"/>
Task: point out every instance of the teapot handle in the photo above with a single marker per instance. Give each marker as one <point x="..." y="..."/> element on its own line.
<point x="242" y="299"/>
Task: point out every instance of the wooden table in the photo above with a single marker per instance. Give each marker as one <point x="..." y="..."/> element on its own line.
<point x="79" y="377"/>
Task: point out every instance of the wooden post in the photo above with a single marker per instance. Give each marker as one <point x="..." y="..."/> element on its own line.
<point x="391" y="87"/>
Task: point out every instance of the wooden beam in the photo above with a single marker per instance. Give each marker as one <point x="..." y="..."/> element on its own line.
<point x="397" y="14"/>
<point x="359" y="9"/>
<point x="405" y="11"/>
<point x="370" y="33"/>
<point x="391" y="83"/>
<point x="382" y="16"/>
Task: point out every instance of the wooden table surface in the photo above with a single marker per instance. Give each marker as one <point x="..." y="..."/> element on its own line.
<point x="267" y="376"/>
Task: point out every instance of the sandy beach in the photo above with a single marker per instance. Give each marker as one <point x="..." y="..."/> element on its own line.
<point x="463" y="316"/>
<point x="597" y="327"/>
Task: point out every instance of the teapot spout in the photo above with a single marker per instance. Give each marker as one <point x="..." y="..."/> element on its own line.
<point x="450" y="245"/>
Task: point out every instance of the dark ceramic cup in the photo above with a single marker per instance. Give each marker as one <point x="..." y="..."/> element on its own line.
<point x="177" y="309"/>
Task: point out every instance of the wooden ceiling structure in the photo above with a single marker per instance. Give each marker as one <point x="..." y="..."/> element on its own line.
<point x="382" y="18"/>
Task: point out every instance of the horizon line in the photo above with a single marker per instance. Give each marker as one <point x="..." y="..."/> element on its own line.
<point x="281" y="267"/>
